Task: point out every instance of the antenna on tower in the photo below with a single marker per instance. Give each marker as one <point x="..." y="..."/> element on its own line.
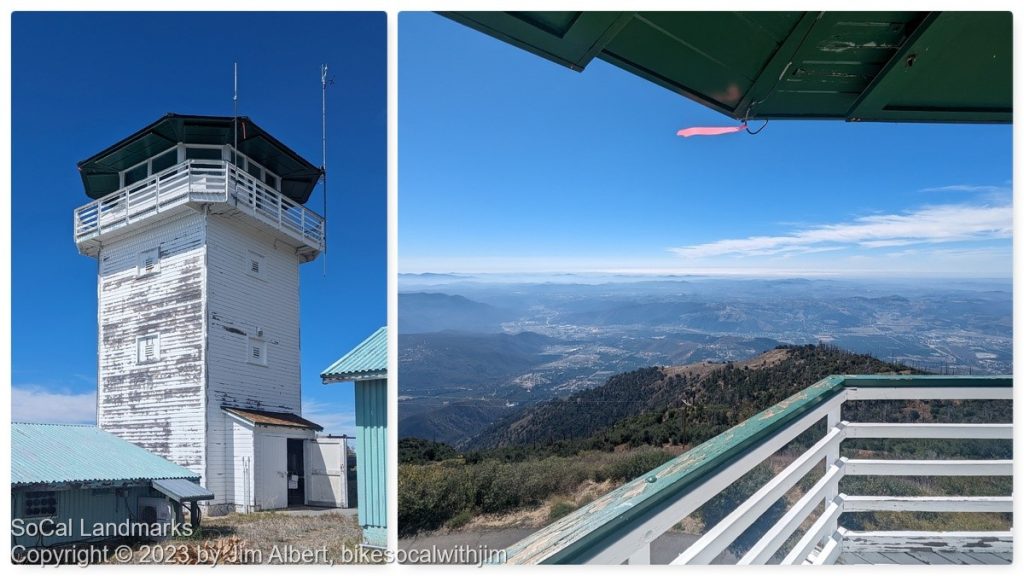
<point x="235" y="103"/>
<point x="323" y="147"/>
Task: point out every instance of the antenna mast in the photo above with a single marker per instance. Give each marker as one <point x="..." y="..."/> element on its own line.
<point x="323" y="149"/>
<point x="235" y="121"/>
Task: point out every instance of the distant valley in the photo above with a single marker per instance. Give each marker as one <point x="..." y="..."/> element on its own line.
<point x="473" y="353"/>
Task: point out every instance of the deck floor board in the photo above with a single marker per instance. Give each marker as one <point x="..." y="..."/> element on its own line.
<point x="929" y="557"/>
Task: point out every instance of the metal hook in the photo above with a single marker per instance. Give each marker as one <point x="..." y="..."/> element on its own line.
<point x="749" y="131"/>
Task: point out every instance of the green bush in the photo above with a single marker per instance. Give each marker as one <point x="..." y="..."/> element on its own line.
<point x="637" y="463"/>
<point x="448" y="493"/>
<point x="461" y="519"/>
<point x="428" y="496"/>
<point x="560" y="509"/>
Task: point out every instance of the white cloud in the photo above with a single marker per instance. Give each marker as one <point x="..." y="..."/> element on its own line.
<point x="927" y="225"/>
<point x="967" y="188"/>
<point x="37" y="404"/>
<point x="328" y="416"/>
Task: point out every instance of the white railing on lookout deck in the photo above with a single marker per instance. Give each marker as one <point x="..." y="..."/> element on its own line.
<point x="620" y="526"/>
<point x="199" y="181"/>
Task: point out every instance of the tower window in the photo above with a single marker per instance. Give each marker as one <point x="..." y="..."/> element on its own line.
<point x="164" y="161"/>
<point x="148" y="348"/>
<point x="254" y="264"/>
<point x="197" y="153"/>
<point x="271" y="180"/>
<point x="135" y="174"/>
<point x="148" y="263"/>
<point x="40" y="504"/>
<point x="257" y="351"/>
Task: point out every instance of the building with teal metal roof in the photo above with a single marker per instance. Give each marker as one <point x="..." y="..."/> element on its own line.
<point x="81" y="475"/>
<point x="367" y="366"/>
<point x="63" y="454"/>
<point x="367" y="361"/>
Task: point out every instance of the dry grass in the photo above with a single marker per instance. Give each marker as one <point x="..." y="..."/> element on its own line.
<point x="252" y="538"/>
<point x="701" y="369"/>
<point x="540" y="516"/>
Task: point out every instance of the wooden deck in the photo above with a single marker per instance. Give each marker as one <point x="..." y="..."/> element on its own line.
<point x="1005" y="557"/>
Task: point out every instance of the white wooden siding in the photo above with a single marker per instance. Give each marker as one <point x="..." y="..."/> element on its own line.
<point x="157" y="405"/>
<point x="204" y="305"/>
<point x="239" y="489"/>
<point x="239" y="304"/>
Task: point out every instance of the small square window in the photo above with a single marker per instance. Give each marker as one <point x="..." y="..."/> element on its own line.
<point x="148" y="348"/>
<point x="40" y="504"/>
<point x="148" y="263"/>
<point x="254" y="264"/>
<point x="257" y="351"/>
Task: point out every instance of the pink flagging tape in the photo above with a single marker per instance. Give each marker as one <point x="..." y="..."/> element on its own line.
<point x="710" y="130"/>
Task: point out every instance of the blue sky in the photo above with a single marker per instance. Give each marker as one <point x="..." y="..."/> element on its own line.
<point x="84" y="81"/>
<point x="510" y="163"/>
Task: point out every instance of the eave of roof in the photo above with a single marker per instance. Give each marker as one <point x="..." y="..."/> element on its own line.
<point x="854" y="66"/>
<point x="367" y="361"/>
<point x="299" y="176"/>
<point x="268" y="418"/>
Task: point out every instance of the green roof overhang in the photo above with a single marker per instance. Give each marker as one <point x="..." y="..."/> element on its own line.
<point x="298" y="175"/>
<point x="854" y="66"/>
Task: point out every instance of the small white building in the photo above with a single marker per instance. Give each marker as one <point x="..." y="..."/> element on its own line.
<point x="198" y="246"/>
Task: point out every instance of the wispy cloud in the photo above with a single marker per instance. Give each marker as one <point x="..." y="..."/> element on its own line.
<point x="329" y="416"/>
<point x="970" y="188"/>
<point x="927" y="225"/>
<point x="38" y="404"/>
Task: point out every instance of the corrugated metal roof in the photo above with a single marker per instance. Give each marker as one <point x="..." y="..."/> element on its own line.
<point x="267" y="418"/>
<point x="182" y="490"/>
<point x="52" y="453"/>
<point x="367" y="360"/>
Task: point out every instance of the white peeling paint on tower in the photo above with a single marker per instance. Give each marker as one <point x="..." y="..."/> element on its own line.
<point x="151" y="350"/>
<point x="199" y="248"/>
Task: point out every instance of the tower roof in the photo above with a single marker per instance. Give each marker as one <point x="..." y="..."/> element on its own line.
<point x="856" y="66"/>
<point x="298" y="175"/>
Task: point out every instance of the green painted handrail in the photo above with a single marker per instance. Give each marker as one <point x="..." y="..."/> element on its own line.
<point x="572" y="538"/>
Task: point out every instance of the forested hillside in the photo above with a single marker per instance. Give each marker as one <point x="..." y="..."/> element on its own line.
<point x="640" y="419"/>
<point x="676" y="405"/>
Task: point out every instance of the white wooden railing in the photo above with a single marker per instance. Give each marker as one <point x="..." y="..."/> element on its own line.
<point x="620" y="526"/>
<point x="199" y="182"/>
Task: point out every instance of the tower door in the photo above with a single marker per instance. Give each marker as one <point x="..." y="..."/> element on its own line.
<point x="296" y="472"/>
<point x="271" y="472"/>
<point x="326" y="473"/>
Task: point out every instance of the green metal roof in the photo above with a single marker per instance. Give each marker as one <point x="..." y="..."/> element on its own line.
<point x="368" y="360"/>
<point x="63" y="453"/>
<point x="298" y="175"/>
<point x="856" y="66"/>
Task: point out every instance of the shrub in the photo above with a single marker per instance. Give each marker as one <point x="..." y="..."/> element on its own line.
<point x="636" y="463"/>
<point x="460" y="519"/>
<point x="560" y="509"/>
